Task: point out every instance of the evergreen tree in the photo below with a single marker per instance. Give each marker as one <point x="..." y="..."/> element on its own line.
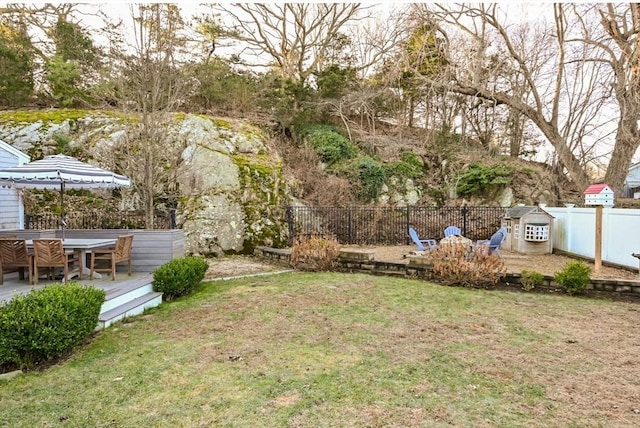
<point x="16" y="68"/>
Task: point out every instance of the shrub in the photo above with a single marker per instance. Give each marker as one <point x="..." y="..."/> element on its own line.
<point x="47" y="324"/>
<point x="329" y="144"/>
<point x="530" y="279"/>
<point x="452" y="264"/>
<point x="179" y="277"/>
<point x="372" y="175"/>
<point x="314" y="253"/>
<point x="478" y="178"/>
<point x="574" y="277"/>
<point x="409" y="166"/>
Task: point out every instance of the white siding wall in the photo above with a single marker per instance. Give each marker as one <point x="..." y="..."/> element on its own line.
<point x="11" y="208"/>
<point x="574" y="232"/>
<point x="633" y="179"/>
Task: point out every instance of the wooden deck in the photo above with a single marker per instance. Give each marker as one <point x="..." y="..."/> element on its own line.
<point x="126" y="296"/>
<point x="13" y="286"/>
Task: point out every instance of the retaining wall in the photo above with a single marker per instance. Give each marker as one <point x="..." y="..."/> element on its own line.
<point x="361" y="261"/>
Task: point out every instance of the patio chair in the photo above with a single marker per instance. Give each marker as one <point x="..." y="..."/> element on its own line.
<point x="493" y="243"/>
<point x="422" y="244"/>
<point x="15" y="256"/>
<point x="120" y="253"/>
<point x="50" y="253"/>
<point x="452" y="231"/>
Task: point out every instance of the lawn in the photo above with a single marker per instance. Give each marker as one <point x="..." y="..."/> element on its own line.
<point x="340" y="350"/>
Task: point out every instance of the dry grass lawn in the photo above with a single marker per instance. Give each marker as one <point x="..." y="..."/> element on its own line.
<point x="347" y="350"/>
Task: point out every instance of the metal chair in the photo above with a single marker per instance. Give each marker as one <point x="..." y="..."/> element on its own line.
<point x="50" y="253"/>
<point x="120" y="253"/>
<point x="14" y="255"/>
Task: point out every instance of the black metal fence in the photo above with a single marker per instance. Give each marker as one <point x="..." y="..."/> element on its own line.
<point x="389" y="226"/>
<point x="100" y="220"/>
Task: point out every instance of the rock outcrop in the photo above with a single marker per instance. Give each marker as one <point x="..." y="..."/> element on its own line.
<point x="232" y="188"/>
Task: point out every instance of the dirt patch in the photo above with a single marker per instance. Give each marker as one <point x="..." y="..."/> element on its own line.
<point x="230" y="266"/>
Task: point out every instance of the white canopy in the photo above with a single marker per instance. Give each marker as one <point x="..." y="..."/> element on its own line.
<point x="60" y="172"/>
<point x="53" y="171"/>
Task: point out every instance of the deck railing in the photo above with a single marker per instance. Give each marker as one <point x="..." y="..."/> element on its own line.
<point x="100" y="220"/>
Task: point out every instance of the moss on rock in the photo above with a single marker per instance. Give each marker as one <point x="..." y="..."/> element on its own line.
<point x="263" y="199"/>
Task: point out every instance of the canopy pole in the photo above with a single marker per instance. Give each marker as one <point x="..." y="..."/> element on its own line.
<point x="62" y="220"/>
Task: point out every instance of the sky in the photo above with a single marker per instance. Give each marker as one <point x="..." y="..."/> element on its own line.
<point x="517" y="11"/>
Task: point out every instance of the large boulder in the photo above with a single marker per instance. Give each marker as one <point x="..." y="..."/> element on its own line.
<point x="231" y="184"/>
<point x="234" y="192"/>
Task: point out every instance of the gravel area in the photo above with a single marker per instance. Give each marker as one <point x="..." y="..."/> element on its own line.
<point x="547" y="264"/>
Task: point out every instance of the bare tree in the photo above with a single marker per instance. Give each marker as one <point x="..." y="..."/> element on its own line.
<point x="295" y="38"/>
<point x="620" y="44"/>
<point x="151" y="84"/>
<point x="550" y="82"/>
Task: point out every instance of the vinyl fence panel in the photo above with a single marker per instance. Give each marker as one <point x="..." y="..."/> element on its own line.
<point x="574" y="232"/>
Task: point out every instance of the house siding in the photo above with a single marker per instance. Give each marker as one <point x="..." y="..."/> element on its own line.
<point x="11" y="207"/>
<point x="632" y="185"/>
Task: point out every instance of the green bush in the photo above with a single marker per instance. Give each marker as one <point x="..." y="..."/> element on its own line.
<point x="530" y="279"/>
<point x="574" y="277"/>
<point x="478" y="178"/>
<point x="47" y="324"/>
<point x="372" y="175"/>
<point x="179" y="277"/>
<point x="409" y="166"/>
<point x="329" y="144"/>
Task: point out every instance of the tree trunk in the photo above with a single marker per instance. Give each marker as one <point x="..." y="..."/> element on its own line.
<point x="627" y="142"/>
<point x="149" y="182"/>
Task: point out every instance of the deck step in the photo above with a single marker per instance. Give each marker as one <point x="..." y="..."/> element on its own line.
<point x="132" y="307"/>
<point x="125" y="292"/>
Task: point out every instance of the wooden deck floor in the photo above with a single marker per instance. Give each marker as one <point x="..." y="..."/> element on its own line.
<point x="14" y="286"/>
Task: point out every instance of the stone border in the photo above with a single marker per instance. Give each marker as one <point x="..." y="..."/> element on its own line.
<point x="361" y="261"/>
<point x="10" y="375"/>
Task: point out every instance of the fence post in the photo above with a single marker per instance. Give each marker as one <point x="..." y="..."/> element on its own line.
<point x="407" y="225"/>
<point x="289" y="214"/>
<point x="349" y="228"/>
<point x="465" y="211"/>
<point x="172" y="219"/>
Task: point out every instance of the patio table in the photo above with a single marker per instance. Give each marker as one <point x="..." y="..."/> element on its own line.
<point x="82" y="246"/>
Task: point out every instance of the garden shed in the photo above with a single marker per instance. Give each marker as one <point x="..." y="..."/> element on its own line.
<point x="11" y="207"/>
<point x="529" y="230"/>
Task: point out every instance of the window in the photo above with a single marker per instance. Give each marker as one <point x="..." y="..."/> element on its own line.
<point x="516" y="230"/>
<point x="536" y="232"/>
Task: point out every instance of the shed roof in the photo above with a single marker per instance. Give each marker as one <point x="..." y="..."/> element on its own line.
<point x="521" y="211"/>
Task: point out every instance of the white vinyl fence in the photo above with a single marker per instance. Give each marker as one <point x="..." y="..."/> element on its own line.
<point x="574" y="232"/>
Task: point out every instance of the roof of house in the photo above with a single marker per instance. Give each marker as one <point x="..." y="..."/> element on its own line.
<point x="15" y="152"/>
<point x="597" y="188"/>
<point x="521" y="211"/>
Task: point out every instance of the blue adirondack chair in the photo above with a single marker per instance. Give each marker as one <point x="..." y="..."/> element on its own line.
<point x="495" y="241"/>
<point x="422" y="244"/>
<point x="451" y="231"/>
